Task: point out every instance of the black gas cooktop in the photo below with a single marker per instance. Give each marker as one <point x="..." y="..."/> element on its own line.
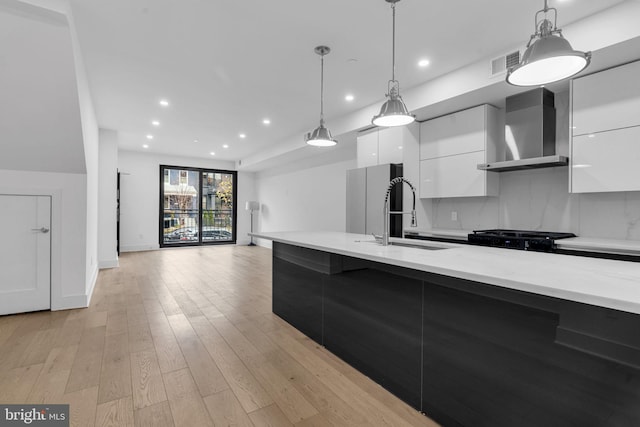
<point x="542" y="241"/>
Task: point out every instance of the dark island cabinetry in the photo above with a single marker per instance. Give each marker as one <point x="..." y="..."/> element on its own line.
<point x="465" y="353"/>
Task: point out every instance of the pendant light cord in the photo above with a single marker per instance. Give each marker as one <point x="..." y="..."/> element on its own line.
<point x="322" y="90"/>
<point x="393" y="44"/>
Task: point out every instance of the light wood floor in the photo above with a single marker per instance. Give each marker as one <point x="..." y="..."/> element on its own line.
<point x="186" y="337"/>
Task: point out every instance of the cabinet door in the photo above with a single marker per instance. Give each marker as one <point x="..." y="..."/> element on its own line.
<point x="606" y="161"/>
<point x="390" y="145"/>
<point x="607" y="100"/>
<point x="453" y="176"/>
<point x="457" y="133"/>
<point x="368" y="150"/>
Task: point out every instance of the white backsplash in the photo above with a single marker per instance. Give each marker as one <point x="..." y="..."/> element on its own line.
<point x="539" y="200"/>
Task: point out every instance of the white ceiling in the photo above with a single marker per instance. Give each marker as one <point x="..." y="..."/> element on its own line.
<point x="226" y="65"/>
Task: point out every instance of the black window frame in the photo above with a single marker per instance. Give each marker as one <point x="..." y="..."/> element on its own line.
<point x="201" y="172"/>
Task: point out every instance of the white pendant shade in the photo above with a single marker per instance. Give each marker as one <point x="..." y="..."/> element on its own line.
<point x="549" y="56"/>
<point x="321" y="137"/>
<point x="393" y="113"/>
<point x="547" y="60"/>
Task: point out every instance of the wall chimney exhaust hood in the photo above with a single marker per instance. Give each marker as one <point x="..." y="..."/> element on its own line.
<point x="530" y="133"/>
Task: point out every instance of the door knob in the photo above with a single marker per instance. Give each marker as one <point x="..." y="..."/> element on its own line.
<point x="42" y="230"/>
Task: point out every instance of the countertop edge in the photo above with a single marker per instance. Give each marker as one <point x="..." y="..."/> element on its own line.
<point x="551" y="291"/>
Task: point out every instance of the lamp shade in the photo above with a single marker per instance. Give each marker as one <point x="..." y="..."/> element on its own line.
<point x="320" y="137"/>
<point x="549" y="59"/>
<point x="393" y="113"/>
<point x="252" y="206"/>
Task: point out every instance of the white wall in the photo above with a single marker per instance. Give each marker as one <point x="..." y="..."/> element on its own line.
<point x="90" y="141"/>
<point x="107" y="195"/>
<point x="68" y="230"/>
<point x="304" y="200"/>
<point x="140" y="196"/>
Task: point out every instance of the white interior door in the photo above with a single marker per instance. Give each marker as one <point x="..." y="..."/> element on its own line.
<point x="25" y="253"/>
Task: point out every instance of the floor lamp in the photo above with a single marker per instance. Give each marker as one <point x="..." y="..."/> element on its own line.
<point x="252" y="206"/>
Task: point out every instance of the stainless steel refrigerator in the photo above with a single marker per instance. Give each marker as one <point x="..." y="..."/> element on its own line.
<point x="366" y="189"/>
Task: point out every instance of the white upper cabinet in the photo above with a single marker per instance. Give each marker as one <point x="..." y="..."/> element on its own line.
<point x="452" y="146"/>
<point x="605" y="147"/>
<point x="607" y="100"/>
<point x="457" y="133"/>
<point x="606" y="161"/>
<point x="367" y="150"/>
<point x="390" y="145"/>
<point x="381" y="146"/>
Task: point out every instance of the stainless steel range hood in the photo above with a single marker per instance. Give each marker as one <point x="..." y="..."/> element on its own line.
<point x="530" y="133"/>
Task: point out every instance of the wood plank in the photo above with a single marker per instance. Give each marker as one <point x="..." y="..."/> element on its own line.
<point x="115" y="378"/>
<point x="170" y="356"/>
<point x="82" y="407"/>
<point x="95" y="319"/>
<point x="148" y="387"/>
<point x="271" y="416"/>
<point x="205" y="372"/>
<point x="293" y="404"/>
<point x="246" y="387"/>
<point x="40" y="346"/>
<point x="115" y="413"/>
<point x="116" y="322"/>
<point x="60" y="359"/>
<point x="140" y="337"/>
<point x="88" y="362"/>
<point x="187" y="406"/>
<point x="18" y="382"/>
<point x="158" y="415"/>
<point x="49" y="387"/>
<point x="225" y="410"/>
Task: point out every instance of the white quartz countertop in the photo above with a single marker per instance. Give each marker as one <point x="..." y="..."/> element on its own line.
<point x="595" y="281"/>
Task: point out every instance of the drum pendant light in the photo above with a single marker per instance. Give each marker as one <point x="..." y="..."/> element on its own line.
<point x="321" y="137"/>
<point x="549" y="56"/>
<point x="393" y="111"/>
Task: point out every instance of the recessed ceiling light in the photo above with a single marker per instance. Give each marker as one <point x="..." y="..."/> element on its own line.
<point x="195" y="140"/>
<point x="349" y="97"/>
<point x="149" y="136"/>
<point x="242" y="135"/>
<point x="225" y="146"/>
<point x="266" y="121"/>
<point x="164" y="102"/>
<point x="591" y="135"/>
<point x="423" y="63"/>
<point x="145" y="146"/>
<point x="212" y="153"/>
<point x="155" y="123"/>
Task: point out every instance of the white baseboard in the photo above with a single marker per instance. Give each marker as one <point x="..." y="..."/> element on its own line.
<point x="72" y="301"/>
<point x="114" y="263"/>
<point x="139" y="248"/>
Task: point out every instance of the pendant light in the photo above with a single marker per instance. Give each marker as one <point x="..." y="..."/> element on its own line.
<point x="549" y="56"/>
<point x="393" y="111"/>
<point x="321" y="137"/>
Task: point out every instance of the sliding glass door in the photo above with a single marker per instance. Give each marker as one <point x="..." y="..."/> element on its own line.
<point x="198" y="206"/>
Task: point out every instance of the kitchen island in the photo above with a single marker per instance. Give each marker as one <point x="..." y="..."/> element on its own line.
<point x="471" y="336"/>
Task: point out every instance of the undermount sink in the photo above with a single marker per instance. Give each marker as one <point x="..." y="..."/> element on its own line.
<point x="406" y="244"/>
